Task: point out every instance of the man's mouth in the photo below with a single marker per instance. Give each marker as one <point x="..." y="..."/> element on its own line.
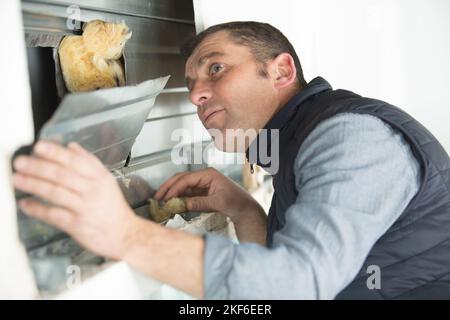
<point x="209" y="115"/>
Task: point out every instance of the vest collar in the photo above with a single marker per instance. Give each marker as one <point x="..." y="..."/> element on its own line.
<point x="281" y="118"/>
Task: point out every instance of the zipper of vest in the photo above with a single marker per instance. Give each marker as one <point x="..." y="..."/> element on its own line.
<point x="251" y="165"/>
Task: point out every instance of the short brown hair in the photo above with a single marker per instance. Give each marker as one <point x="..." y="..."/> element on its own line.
<point x="265" y="42"/>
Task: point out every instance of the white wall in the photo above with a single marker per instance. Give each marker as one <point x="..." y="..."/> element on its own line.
<point x="16" y="129"/>
<point x="394" y="50"/>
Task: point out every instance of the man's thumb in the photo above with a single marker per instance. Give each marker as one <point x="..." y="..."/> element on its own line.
<point x="199" y="203"/>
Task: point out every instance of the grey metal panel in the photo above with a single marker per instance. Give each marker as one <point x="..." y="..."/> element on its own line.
<point x="172" y="104"/>
<point x="156" y="135"/>
<point x="109" y="121"/>
<point x="181" y="11"/>
<point x="150" y="66"/>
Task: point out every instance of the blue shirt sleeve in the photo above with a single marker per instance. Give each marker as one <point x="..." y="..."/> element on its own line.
<point x="354" y="176"/>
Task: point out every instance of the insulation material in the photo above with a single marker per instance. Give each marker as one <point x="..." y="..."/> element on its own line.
<point x="91" y="61"/>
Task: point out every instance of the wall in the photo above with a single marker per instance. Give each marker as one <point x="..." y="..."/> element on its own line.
<point x="16" y="279"/>
<point x="394" y="50"/>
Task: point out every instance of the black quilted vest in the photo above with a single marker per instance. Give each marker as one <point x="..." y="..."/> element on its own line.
<point x="414" y="254"/>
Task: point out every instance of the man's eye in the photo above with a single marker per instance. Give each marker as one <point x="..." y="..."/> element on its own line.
<point x="216" y="67"/>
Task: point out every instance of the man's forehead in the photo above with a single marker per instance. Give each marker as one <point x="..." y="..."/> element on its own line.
<point x="204" y="53"/>
<point x="208" y="48"/>
<point x="215" y="45"/>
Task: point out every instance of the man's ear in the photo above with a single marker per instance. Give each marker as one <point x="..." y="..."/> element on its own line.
<point x="284" y="70"/>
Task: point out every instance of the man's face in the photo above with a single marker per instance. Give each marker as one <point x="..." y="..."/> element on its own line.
<point x="225" y="84"/>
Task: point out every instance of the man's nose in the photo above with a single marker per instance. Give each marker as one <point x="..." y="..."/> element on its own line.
<point x="200" y="93"/>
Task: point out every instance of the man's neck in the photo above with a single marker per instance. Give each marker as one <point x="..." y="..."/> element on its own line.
<point x="285" y="97"/>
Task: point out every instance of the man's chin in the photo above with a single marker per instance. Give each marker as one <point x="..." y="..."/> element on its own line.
<point x="226" y="142"/>
<point x="224" y="147"/>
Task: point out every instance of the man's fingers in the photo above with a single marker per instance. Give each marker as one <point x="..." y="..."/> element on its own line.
<point x="166" y="185"/>
<point x="193" y="180"/>
<point x="58" y="217"/>
<point x="197" y="179"/>
<point x="204" y="204"/>
<point x="53" y="193"/>
<point x="65" y="157"/>
<point x="50" y="171"/>
<point x="194" y="192"/>
<point x="83" y="152"/>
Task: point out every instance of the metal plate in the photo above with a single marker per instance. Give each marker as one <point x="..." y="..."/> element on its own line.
<point x="175" y="10"/>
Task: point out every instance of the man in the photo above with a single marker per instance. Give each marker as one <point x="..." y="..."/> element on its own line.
<point x="361" y="187"/>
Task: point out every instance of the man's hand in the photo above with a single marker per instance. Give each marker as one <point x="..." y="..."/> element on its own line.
<point x="87" y="203"/>
<point x="209" y="190"/>
<point x="85" y="199"/>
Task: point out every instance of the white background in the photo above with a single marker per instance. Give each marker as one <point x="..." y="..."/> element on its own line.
<point x="16" y="129"/>
<point x="393" y="50"/>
